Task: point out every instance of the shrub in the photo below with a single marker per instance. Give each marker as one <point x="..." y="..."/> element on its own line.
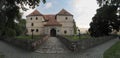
<point x="10" y="33"/>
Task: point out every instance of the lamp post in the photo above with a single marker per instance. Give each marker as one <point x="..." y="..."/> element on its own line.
<point x="79" y="33"/>
<point x="32" y="33"/>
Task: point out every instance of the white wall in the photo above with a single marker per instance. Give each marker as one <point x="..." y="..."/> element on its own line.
<point x="67" y="24"/>
<point x="37" y="24"/>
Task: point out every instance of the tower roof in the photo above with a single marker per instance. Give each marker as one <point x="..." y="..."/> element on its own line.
<point x="35" y="13"/>
<point x="64" y="12"/>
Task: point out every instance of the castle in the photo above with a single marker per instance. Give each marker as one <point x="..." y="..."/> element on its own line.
<point x="61" y="23"/>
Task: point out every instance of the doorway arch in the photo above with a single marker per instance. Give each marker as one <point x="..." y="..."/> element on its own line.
<point x="52" y="32"/>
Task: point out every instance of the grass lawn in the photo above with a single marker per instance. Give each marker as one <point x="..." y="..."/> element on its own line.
<point x="75" y="38"/>
<point x="35" y="37"/>
<point x="1" y="55"/>
<point x="113" y="52"/>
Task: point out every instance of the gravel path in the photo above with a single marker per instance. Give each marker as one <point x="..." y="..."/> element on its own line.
<point x="53" y="48"/>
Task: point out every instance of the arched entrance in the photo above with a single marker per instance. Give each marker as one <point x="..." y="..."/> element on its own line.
<point x="53" y="32"/>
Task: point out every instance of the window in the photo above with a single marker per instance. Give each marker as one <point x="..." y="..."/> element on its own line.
<point x="65" y="32"/>
<point x="32" y="24"/>
<point x="58" y="30"/>
<point x="36" y="18"/>
<point x="31" y="18"/>
<point x="37" y="30"/>
<point x="32" y="30"/>
<point x="66" y="18"/>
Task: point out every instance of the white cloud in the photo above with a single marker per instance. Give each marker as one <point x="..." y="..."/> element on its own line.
<point x="48" y="5"/>
<point x="83" y="11"/>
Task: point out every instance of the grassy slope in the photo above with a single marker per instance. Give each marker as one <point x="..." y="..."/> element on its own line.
<point x="29" y="37"/>
<point x="113" y="52"/>
<point x="77" y="37"/>
<point x="1" y="55"/>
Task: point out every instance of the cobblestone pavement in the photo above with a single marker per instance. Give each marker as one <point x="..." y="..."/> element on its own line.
<point x="13" y="52"/>
<point x="53" y="45"/>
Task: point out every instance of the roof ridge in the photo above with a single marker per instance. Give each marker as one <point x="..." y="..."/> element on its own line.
<point x="35" y="13"/>
<point x="63" y="12"/>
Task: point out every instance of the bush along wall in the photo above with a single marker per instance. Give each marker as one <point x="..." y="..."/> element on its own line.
<point x="26" y="44"/>
<point x="84" y="44"/>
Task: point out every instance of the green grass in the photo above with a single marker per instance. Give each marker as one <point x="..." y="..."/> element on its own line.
<point x="75" y="38"/>
<point x="113" y="52"/>
<point x="35" y="37"/>
<point x="1" y="55"/>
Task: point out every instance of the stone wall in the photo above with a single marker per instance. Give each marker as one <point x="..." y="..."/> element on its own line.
<point x="88" y="43"/>
<point x="84" y="44"/>
<point x="26" y="44"/>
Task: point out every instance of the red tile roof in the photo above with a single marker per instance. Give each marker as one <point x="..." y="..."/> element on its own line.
<point x="35" y="13"/>
<point x="46" y="17"/>
<point x="51" y="21"/>
<point x="64" y="12"/>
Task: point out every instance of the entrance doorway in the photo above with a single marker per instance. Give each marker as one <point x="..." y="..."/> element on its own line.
<point x="53" y="32"/>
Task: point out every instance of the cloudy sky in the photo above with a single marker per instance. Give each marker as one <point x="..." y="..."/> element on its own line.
<point x="83" y="10"/>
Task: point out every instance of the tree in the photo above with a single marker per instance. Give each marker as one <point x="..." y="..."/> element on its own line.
<point x="104" y="21"/>
<point x="20" y="27"/>
<point x="75" y="28"/>
<point x="9" y="12"/>
<point x="109" y="2"/>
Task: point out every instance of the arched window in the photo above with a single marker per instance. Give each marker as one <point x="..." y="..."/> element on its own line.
<point x="32" y="24"/>
<point x="65" y="32"/>
<point x="37" y="30"/>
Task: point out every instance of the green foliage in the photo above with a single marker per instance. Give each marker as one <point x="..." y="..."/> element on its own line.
<point x="76" y="37"/>
<point x="9" y="33"/>
<point x="9" y="12"/>
<point x="1" y="55"/>
<point x="109" y="2"/>
<point x="20" y="27"/>
<point x="75" y="28"/>
<point x="113" y="52"/>
<point x="23" y="37"/>
<point x="104" y="21"/>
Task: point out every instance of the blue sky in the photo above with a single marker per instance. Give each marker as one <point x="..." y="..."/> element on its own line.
<point x="83" y="10"/>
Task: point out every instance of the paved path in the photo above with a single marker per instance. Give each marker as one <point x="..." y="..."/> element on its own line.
<point x="13" y="52"/>
<point x="53" y="45"/>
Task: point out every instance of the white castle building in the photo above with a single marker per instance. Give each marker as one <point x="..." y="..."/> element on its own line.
<point x="59" y="24"/>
